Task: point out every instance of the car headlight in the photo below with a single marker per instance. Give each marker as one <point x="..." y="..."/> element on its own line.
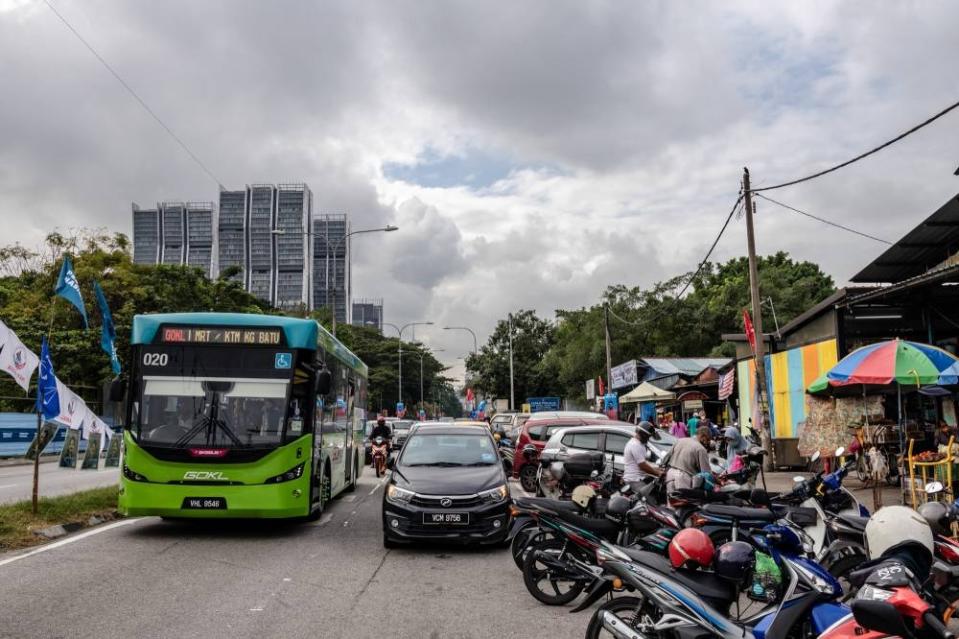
<point x="294" y="473"/>
<point x="133" y="475"/>
<point x="495" y="495"/>
<point x="398" y="495"/>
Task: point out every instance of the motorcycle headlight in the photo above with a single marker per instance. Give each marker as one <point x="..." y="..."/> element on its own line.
<point x="294" y="473"/>
<point x="496" y="495"/>
<point x="398" y="495"/>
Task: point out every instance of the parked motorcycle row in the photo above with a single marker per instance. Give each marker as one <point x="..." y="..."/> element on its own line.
<point x="733" y="560"/>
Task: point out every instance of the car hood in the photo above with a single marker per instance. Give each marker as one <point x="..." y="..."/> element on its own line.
<point x="457" y="480"/>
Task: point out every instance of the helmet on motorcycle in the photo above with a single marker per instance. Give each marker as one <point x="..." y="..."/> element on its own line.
<point x="735" y="561"/>
<point x="582" y="495"/>
<point x="617" y="507"/>
<point x="380" y="421"/>
<point x="937" y="516"/>
<point x="894" y="527"/>
<point x="691" y="548"/>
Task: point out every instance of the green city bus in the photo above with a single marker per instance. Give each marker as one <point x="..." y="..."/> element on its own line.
<point x="236" y="415"/>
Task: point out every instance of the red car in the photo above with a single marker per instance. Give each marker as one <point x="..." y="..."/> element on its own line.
<point x="537" y="432"/>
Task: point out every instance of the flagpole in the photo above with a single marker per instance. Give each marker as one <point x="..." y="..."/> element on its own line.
<point x="36" y="456"/>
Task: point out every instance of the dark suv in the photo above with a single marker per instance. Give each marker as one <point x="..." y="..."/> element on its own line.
<point x="447" y="484"/>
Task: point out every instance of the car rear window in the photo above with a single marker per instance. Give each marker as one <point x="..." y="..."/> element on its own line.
<point x="616" y="443"/>
<point x="584" y="441"/>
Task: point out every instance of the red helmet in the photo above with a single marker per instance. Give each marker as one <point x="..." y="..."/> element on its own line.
<point x="692" y="548"/>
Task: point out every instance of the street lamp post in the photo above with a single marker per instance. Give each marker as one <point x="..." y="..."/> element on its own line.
<point x="399" y="360"/>
<point x="463" y="328"/>
<point x="336" y="247"/>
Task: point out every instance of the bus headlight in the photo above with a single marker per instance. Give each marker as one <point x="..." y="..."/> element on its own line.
<point x="133" y="475"/>
<point x="398" y="495"/>
<point x="294" y="473"/>
<point x="496" y="495"/>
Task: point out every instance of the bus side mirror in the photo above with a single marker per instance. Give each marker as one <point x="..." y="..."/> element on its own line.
<point x="118" y="389"/>
<point x="324" y="382"/>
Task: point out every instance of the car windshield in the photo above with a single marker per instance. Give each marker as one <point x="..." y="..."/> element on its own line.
<point x="435" y="449"/>
<point x="180" y="412"/>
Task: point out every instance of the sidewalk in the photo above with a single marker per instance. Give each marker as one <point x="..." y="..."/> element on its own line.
<point x="783" y="482"/>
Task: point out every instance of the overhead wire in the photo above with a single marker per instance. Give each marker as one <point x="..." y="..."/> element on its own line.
<point x="862" y="156"/>
<point x="136" y="96"/>
<point x="823" y="220"/>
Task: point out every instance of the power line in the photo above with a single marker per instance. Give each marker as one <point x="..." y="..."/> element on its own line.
<point x="134" y="94"/>
<point x="864" y="155"/>
<point x="823" y="220"/>
<point x="711" y="248"/>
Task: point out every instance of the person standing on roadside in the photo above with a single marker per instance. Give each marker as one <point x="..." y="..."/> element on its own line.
<point x="676" y="429"/>
<point x="688" y="459"/>
<point x="635" y="456"/>
<point x="692" y="424"/>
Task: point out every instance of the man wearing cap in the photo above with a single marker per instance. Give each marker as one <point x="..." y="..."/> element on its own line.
<point x="635" y="454"/>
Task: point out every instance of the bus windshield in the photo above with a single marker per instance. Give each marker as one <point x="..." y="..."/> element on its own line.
<point x="182" y="412"/>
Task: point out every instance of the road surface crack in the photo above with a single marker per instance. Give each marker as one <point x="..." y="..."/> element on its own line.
<point x="356" y="600"/>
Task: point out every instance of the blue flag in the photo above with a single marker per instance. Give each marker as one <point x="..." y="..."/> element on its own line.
<point x="108" y="333"/>
<point x="48" y="400"/>
<point x="69" y="288"/>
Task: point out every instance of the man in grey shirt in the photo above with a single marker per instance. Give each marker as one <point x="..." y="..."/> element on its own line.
<point x="688" y="458"/>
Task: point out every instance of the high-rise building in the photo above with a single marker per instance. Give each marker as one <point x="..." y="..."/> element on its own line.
<point x="331" y="264"/>
<point x="199" y="235"/>
<point x="146" y="235"/>
<point x="263" y="233"/>
<point x="231" y="233"/>
<point x="368" y="312"/>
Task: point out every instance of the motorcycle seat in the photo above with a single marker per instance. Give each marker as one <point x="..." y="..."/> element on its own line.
<point x="854" y="521"/>
<point x="739" y="513"/>
<point x="601" y="527"/>
<point x="560" y="505"/>
<point x="717" y="591"/>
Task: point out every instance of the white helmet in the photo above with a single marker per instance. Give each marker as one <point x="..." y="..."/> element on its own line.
<point x="582" y="495"/>
<point x="894" y="526"/>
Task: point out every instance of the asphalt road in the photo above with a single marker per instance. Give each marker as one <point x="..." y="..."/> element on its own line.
<point x="16" y="482"/>
<point x="150" y="578"/>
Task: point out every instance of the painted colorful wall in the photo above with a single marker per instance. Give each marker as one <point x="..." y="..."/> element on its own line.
<point x="787" y="375"/>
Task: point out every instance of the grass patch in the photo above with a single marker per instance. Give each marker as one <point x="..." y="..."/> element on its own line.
<point x="17" y="522"/>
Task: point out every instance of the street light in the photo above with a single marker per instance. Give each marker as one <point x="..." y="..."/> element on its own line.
<point x="463" y="328"/>
<point x="336" y="247"/>
<point x="399" y="360"/>
<point x="421" y="354"/>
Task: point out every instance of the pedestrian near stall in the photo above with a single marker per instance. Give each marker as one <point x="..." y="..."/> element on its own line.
<point x="689" y="458"/>
<point x="691" y="424"/>
<point x="676" y="429"/>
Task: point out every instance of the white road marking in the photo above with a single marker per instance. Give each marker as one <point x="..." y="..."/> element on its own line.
<point x="70" y="540"/>
<point x="8" y="485"/>
<point x="347" y="498"/>
<point x="376" y="487"/>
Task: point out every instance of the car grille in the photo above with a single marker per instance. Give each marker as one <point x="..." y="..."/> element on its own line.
<point x="433" y="501"/>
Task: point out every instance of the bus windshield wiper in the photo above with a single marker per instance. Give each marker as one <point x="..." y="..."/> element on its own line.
<point x="210" y="423"/>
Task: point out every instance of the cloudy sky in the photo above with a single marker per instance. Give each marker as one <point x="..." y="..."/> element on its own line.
<point x="531" y="152"/>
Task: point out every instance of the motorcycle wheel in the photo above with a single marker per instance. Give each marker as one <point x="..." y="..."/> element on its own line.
<point x="527" y="478"/>
<point x="862" y="472"/>
<point x="626" y="609"/>
<point x="526" y="539"/>
<point x="544" y="586"/>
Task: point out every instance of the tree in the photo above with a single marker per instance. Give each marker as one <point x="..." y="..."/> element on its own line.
<point x="533" y="376"/>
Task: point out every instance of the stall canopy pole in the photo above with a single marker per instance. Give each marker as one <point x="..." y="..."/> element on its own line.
<point x="902" y="447"/>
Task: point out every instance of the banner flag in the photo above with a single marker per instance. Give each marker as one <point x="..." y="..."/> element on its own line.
<point x="113" y="452"/>
<point x="726" y="382"/>
<point x="750" y="331"/>
<point x="47" y="432"/>
<point x="69" y="288"/>
<point x="48" y="398"/>
<point x="70" y="451"/>
<point x="108" y="333"/>
<point x="72" y="408"/>
<point x="16" y="359"/>
<point x="91" y="459"/>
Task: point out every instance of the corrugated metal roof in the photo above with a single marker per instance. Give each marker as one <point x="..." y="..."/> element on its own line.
<point x="928" y="245"/>
<point x="684" y="365"/>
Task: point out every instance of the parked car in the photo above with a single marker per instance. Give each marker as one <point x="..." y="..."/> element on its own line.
<point x="500" y="423"/>
<point x="536" y="432"/>
<point x="559" y="414"/>
<point x="610" y="439"/>
<point x="447" y="484"/>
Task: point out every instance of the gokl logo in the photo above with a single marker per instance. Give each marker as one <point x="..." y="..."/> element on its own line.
<point x="19" y="359"/>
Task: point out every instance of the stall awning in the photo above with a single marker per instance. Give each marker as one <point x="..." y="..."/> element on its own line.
<point x="646" y="392"/>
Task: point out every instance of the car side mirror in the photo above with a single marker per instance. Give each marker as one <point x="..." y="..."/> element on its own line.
<point x="324" y="382"/>
<point x="118" y="389"/>
<point x="390" y="463"/>
<point x="880" y="616"/>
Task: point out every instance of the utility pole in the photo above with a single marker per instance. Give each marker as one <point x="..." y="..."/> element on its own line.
<point x="512" y="398"/>
<point x="759" y="420"/>
<point x="609" y="356"/>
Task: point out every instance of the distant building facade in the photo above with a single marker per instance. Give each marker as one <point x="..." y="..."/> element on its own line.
<point x="260" y="234"/>
<point x="368" y="312"/>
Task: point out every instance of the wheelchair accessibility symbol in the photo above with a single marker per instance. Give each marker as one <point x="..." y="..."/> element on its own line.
<point x="283" y="360"/>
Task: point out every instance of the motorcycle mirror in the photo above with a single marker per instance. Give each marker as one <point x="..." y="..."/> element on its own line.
<point x="840" y="451"/>
<point x="880" y="616"/>
<point x="934" y="487"/>
<point x="815" y="457"/>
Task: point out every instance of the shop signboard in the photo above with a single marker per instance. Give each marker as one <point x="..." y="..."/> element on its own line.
<point x="539" y="404"/>
<point x="590" y="388"/>
<point x="624" y="375"/>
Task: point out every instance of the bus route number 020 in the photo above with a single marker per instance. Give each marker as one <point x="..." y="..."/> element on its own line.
<point x="155" y="359"/>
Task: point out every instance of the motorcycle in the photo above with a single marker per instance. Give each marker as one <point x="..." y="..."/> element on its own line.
<point x="380" y="451"/>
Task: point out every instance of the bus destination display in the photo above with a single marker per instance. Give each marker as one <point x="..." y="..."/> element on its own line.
<point x="213" y="335"/>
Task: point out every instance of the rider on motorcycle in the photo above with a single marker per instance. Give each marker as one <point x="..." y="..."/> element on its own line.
<point x="381" y="430"/>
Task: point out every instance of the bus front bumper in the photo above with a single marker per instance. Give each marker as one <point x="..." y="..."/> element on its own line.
<point x="282" y="500"/>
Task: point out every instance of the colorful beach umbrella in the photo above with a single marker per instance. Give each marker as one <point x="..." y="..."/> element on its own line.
<point x="895" y="362"/>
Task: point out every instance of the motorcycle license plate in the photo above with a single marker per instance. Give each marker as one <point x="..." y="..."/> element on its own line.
<point x="446" y="518"/>
<point x="204" y="503"/>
